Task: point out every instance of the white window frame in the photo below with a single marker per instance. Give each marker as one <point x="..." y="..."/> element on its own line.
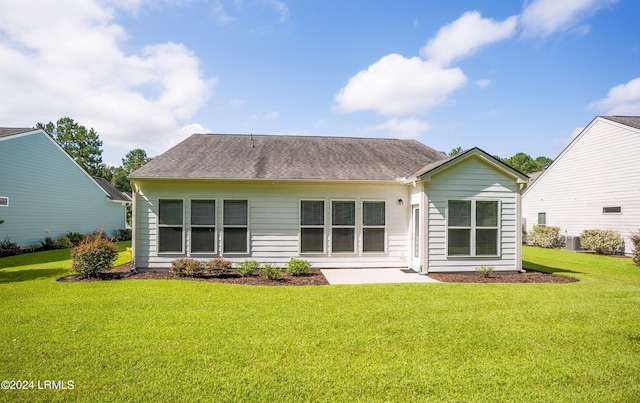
<point x="323" y="226"/>
<point x="182" y="227"/>
<point x="354" y="226"/>
<point x="214" y="226"/>
<point x="247" y="226"/>
<point x="384" y="227"/>
<point x="474" y="228"/>
<point x="6" y="201"/>
<point x="545" y="219"/>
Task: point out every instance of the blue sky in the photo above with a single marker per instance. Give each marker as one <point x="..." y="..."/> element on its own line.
<point x="502" y="76"/>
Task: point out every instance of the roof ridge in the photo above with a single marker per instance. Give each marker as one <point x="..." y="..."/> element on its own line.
<point x="303" y="136"/>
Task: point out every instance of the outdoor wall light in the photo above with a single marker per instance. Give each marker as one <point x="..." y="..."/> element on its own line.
<point x="400" y="202"/>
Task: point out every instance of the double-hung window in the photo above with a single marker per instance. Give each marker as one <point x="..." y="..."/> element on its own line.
<point x="236" y="226"/>
<point x="343" y="226"/>
<point x="473" y="228"/>
<point x="170" y="226"/>
<point x="312" y="226"/>
<point x="203" y="226"/>
<point x="373" y="226"/>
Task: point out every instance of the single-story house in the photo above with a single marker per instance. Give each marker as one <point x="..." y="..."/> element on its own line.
<point x="337" y="202"/>
<point x="592" y="184"/>
<point x="44" y="192"/>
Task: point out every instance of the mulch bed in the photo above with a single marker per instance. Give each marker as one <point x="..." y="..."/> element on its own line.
<point x="317" y="278"/>
<point x="530" y="276"/>
<point x="124" y="273"/>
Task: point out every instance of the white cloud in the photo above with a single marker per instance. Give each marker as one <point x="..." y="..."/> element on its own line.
<point x="623" y="99"/>
<point x="544" y="17"/>
<point x="281" y="7"/>
<point x="466" y="35"/>
<point x="402" y="128"/>
<point x="395" y="85"/>
<point x="483" y="83"/>
<point x="272" y="116"/>
<point x="66" y="58"/>
<point x="220" y="14"/>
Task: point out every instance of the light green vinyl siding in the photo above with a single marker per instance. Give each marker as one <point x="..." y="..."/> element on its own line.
<point x="49" y="194"/>
<point x="471" y="180"/>
<point x="274" y="220"/>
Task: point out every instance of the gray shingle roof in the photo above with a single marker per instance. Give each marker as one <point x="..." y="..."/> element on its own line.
<point x="114" y="194"/>
<point x="231" y="156"/>
<point x="631" y="121"/>
<point x="11" y="131"/>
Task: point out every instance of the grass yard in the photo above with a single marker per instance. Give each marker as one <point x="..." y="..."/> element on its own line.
<point x="164" y="340"/>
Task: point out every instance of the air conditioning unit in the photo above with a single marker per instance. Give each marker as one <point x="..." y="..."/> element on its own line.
<point x="573" y="243"/>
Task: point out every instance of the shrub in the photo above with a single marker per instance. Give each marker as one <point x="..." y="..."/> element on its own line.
<point x="64" y="243"/>
<point x="187" y="267"/>
<point x="601" y="241"/>
<point x="75" y="237"/>
<point x="298" y="267"/>
<point x="486" y="271"/>
<point x="47" y="243"/>
<point x="271" y="271"/>
<point x="124" y="235"/>
<point x="218" y="266"/>
<point x="635" y="238"/>
<point x="93" y="256"/>
<point x="545" y="237"/>
<point x="8" y="248"/>
<point x="247" y="267"/>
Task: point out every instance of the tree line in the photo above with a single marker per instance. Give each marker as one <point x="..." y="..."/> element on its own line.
<point x="523" y="162"/>
<point x="85" y="147"/>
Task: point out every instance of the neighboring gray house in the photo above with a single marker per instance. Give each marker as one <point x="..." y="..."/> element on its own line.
<point x="44" y="192"/>
<point x="337" y="202"/>
<point x="593" y="184"/>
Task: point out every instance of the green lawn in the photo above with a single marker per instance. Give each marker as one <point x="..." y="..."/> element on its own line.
<point x="162" y="340"/>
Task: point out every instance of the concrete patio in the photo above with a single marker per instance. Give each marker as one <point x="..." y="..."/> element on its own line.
<point x="374" y="276"/>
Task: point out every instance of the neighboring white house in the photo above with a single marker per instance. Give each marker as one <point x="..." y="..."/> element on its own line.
<point x="44" y="192"/>
<point x="337" y="202"/>
<point x="593" y="184"/>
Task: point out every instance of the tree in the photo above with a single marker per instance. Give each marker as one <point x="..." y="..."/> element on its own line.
<point x="526" y="164"/>
<point x="454" y="151"/>
<point x="134" y="160"/>
<point x="119" y="179"/>
<point x="83" y="145"/>
<point x="543" y="162"/>
<point x="523" y="163"/>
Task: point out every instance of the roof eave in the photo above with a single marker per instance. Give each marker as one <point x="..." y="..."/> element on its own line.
<point x="499" y="165"/>
<point x="280" y="180"/>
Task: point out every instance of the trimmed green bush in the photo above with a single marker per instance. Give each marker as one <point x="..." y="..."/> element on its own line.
<point x="298" y="267"/>
<point x="271" y="271"/>
<point x="635" y="238"/>
<point x="485" y="271"/>
<point x="247" y="267"/>
<point x="93" y="256"/>
<point x="186" y="267"/>
<point x="124" y="234"/>
<point x="545" y="237"/>
<point x="601" y="241"/>
<point x="64" y="243"/>
<point x="218" y="266"/>
<point x="75" y="237"/>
